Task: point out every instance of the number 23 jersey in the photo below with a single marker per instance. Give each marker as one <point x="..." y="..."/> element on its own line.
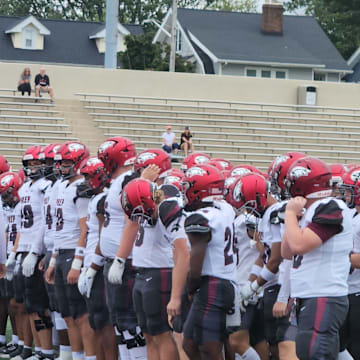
<point x="219" y="260"/>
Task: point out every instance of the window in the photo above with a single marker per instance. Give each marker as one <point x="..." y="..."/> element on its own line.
<point x="319" y="76"/>
<point x="28" y="38"/>
<point x="251" y="72"/>
<point x="265" y="73"/>
<point x="178" y="40"/>
<point x="280" y="74"/>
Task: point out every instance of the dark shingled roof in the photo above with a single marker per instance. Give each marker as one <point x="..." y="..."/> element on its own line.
<point x="355" y="76"/>
<point x="238" y="36"/>
<point x="68" y="43"/>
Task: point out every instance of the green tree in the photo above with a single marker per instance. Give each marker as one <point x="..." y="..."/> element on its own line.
<point x="338" y="18"/>
<point x="233" y="5"/>
<point x="142" y="54"/>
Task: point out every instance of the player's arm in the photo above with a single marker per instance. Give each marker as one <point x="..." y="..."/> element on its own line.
<point x="270" y="270"/>
<point x="256" y="268"/>
<point x="285" y="248"/>
<point x="199" y="234"/>
<point x="326" y="222"/>
<point x="355" y="260"/>
<point x="128" y="238"/>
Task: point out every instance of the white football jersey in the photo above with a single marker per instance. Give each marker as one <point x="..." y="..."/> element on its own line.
<point x="271" y="230"/>
<point x="13" y="223"/>
<point x="245" y="254"/>
<point x="49" y="206"/>
<point x="114" y="224"/>
<point x="354" y="277"/>
<point x="323" y="272"/>
<point x="92" y="223"/>
<point x="219" y="260"/>
<point x="68" y="212"/>
<point x="31" y="205"/>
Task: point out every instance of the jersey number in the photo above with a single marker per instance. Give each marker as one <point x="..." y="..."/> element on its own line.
<point x="27" y="216"/>
<point x="48" y="217"/>
<point x="12" y="236"/>
<point x="140" y="236"/>
<point x="229" y="245"/>
<point x="59" y="219"/>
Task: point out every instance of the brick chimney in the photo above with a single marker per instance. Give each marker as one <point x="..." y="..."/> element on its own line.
<point x="272" y="18"/>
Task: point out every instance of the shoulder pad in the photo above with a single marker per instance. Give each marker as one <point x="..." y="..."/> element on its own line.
<point x="169" y="211"/>
<point x="196" y="223"/>
<point x="328" y="213"/>
<point x="276" y="218"/>
<point x="128" y="178"/>
<point x="100" y="206"/>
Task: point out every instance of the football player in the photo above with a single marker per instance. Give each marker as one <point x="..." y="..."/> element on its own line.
<point x="68" y="254"/>
<point x="10" y="184"/>
<point x="196" y="158"/>
<point x="320" y="244"/>
<point x="93" y="187"/>
<point x="29" y="282"/>
<point x="212" y="263"/>
<point x="158" y="287"/>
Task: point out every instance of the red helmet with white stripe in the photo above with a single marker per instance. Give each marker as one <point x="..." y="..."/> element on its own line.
<point x="351" y="183"/>
<point x="153" y="157"/>
<point x="4" y="165"/>
<point x="240" y="170"/>
<point x="10" y="184"/>
<point x="47" y="156"/>
<point x="34" y="171"/>
<point x="173" y="177"/>
<point x="225" y="164"/>
<point x="115" y="152"/>
<point x="74" y="151"/>
<point x="309" y="177"/>
<point x="194" y="159"/>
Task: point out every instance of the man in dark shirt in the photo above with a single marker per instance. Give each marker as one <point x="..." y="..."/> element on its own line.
<point x="42" y="84"/>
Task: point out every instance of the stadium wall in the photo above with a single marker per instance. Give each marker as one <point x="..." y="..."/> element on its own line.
<point x="68" y="80"/>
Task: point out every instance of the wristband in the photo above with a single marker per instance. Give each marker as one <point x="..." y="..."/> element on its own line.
<point x="52" y="262"/>
<point x="120" y="260"/>
<point x="80" y="251"/>
<point x="256" y="270"/>
<point x="98" y="260"/>
<point x="76" y="264"/>
<point x="266" y="274"/>
<point x="91" y="272"/>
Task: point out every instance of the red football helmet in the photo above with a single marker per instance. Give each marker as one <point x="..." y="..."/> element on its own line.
<point x="95" y="176"/>
<point x="21" y="173"/>
<point x="32" y="153"/>
<point x="115" y="152"/>
<point x="153" y="156"/>
<point x="351" y="183"/>
<point x="278" y="170"/>
<point x="47" y="156"/>
<point x="137" y="200"/>
<point x="240" y="170"/>
<point x="225" y="164"/>
<point x="337" y="173"/>
<point x="249" y="192"/>
<point x="10" y="184"/>
<point x="74" y="151"/>
<point x="202" y="183"/>
<point x="228" y="182"/>
<point x="4" y="165"/>
<point x="194" y="159"/>
<point x="173" y="177"/>
<point x="349" y="167"/>
<point x="309" y="177"/>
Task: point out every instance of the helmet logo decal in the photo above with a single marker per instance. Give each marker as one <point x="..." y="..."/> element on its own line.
<point x="280" y="159"/>
<point x="299" y="171"/>
<point x="355" y="175"/>
<point x="171" y="179"/>
<point x="237" y="195"/>
<point x="195" y="171"/>
<point x="76" y="147"/>
<point x="124" y="199"/>
<point x="240" y="172"/>
<point x="93" y="161"/>
<point x="56" y="148"/>
<point x="199" y="160"/>
<point x="105" y="146"/>
<point x="6" y="180"/>
<point x="145" y="157"/>
<point x="223" y="164"/>
<point x="229" y="181"/>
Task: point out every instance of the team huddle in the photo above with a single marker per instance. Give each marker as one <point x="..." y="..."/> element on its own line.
<point x="121" y="256"/>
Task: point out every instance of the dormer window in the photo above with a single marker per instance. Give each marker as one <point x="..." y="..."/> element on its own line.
<point x="28" y="34"/>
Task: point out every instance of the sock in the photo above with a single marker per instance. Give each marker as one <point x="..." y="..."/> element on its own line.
<point x="21" y="343"/>
<point x="65" y="348"/>
<point x="2" y="339"/>
<point x="15" y="339"/>
<point x="27" y="347"/>
<point x="90" y="357"/>
<point x="37" y="349"/>
<point x="344" y="355"/>
<point x="250" y="354"/>
<point x="78" y="355"/>
<point x="123" y="350"/>
<point x="47" y="352"/>
<point x="138" y="353"/>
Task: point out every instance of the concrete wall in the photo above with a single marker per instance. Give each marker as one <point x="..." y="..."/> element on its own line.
<point x="68" y="80"/>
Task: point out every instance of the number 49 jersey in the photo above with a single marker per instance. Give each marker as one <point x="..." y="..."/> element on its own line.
<point x="31" y="201"/>
<point x="219" y="260"/>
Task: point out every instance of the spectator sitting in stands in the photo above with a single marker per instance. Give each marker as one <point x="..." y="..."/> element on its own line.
<point x="169" y="141"/>
<point x="42" y="84"/>
<point x="186" y="141"/>
<point x="24" y="82"/>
